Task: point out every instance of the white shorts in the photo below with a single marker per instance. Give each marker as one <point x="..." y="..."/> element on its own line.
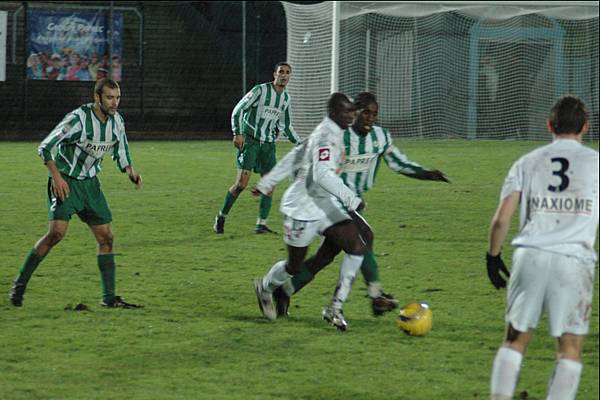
<point x="560" y="285"/>
<point x="298" y="233"/>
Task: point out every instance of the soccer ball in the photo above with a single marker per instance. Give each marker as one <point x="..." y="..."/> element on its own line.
<point x="415" y="319"/>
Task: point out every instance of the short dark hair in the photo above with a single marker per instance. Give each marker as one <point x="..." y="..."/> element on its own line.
<point x="335" y="101"/>
<point x="363" y="99"/>
<point x="101" y="83"/>
<point x="568" y="115"/>
<point x="281" y="63"/>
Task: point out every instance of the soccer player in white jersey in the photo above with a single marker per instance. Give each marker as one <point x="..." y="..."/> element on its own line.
<point x="556" y="189"/>
<point x="256" y="122"/>
<point x="365" y="144"/>
<point x="317" y="203"/>
<point x="73" y="154"/>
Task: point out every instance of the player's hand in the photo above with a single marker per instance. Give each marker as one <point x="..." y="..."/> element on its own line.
<point x="135" y="178"/>
<point x="436" y="175"/>
<point x="238" y="141"/>
<point x="361" y="206"/>
<point x="495" y="265"/>
<point x="60" y="187"/>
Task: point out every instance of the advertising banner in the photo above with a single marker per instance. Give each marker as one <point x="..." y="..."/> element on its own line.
<point x="3" y="33"/>
<point x="73" y="46"/>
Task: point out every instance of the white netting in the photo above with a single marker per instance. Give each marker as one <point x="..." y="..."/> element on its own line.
<point x="447" y="70"/>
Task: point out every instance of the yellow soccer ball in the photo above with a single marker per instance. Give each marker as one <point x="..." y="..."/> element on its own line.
<point x="415" y="319"/>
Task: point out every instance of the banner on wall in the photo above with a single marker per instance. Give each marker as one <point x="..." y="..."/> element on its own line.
<point x="73" y="46"/>
<point x="3" y="32"/>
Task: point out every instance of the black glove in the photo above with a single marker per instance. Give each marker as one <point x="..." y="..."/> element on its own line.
<point x="495" y="265"/>
<point x="435" y="175"/>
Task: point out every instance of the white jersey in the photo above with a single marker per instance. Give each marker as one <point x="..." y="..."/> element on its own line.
<point x="559" y="198"/>
<point x="317" y="191"/>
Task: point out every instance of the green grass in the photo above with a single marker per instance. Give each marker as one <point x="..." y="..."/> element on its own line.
<point x="201" y="335"/>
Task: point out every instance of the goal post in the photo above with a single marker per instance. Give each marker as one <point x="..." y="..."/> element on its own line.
<point x="445" y="69"/>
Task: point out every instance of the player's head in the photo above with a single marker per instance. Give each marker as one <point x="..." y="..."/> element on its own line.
<point x="568" y="116"/>
<point x="341" y="110"/>
<point x="367" y="110"/>
<point x="281" y="74"/>
<point x="107" y="95"/>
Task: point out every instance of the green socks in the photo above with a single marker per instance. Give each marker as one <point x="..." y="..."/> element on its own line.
<point x="106" y="263"/>
<point x="31" y="263"/>
<point x="265" y="206"/>
<point x="369" y="268"/>
<point x="229" y="200"/>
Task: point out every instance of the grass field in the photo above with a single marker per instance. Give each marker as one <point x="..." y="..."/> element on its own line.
<point x="201" y="334"/>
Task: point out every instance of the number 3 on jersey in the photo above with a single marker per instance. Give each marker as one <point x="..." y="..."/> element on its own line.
<point x="564" y="179"/>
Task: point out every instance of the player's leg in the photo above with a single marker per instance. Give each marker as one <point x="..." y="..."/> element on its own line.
<point x="98" y="217"/>
<point x="297" y="237"/>
<point x="107" y="266"/>
<point x="569" y="308"/>
<point x="525" y="302"/>
<point x="59" y="214"/>
<point x="348" y="236"/>
<point x="265" y="163"/>
<point x="241" y="182"/>
<point x="246" y="162"/>
<point x="310" y="267"/>
<point x="381" y="302"/>
<point x="567" y="370"/>
<point x="507" y="363"/>
<point x="57" y="230"/>
<point x="279" y="273"/>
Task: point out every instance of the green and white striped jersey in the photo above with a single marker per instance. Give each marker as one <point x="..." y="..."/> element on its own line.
<point x="262" y="113"/>
<point x="80" y="141"/>
<point x="364" y="153"/>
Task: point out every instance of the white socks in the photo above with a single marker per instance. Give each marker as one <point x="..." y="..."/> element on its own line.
<point x="505" y="373"/>
<point x="276" y="276"/>
<point x="565" y="380"/>
<point x="350" y="267"/>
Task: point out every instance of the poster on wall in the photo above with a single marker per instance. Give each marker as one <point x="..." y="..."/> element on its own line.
<point x="3" y="31"/>
<point x="73" y="46"/>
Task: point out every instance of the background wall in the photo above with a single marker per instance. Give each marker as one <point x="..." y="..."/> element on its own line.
<point x="187" y="83"/>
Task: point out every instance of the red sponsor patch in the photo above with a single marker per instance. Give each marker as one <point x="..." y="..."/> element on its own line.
<point x="324" y="154"/>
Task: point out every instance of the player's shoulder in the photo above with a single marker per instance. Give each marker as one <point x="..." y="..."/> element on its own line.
<point x="80" y="112"/>
<point x="262" y="86"/>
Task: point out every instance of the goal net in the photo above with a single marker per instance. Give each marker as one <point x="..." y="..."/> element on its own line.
<point x="443" y="70"/>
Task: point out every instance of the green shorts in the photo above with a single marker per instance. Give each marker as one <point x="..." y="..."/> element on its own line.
<point x="85" y="199"/>
<point x="256" y="156"/>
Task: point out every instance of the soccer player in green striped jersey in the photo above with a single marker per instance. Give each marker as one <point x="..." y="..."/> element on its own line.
<point x="365" y="145"/>
<point x="256" y="121"/>
<point x="73" y="154"/>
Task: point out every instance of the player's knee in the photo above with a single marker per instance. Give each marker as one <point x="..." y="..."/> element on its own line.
<point x="517" y="340"/>
<point x="570" y="347"/>
<point x="54" y="237"/>
<point x="105" y="241"/>
<point x="357" y="248"/>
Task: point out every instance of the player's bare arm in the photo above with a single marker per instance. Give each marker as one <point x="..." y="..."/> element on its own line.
<point x="60" y="187"/>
